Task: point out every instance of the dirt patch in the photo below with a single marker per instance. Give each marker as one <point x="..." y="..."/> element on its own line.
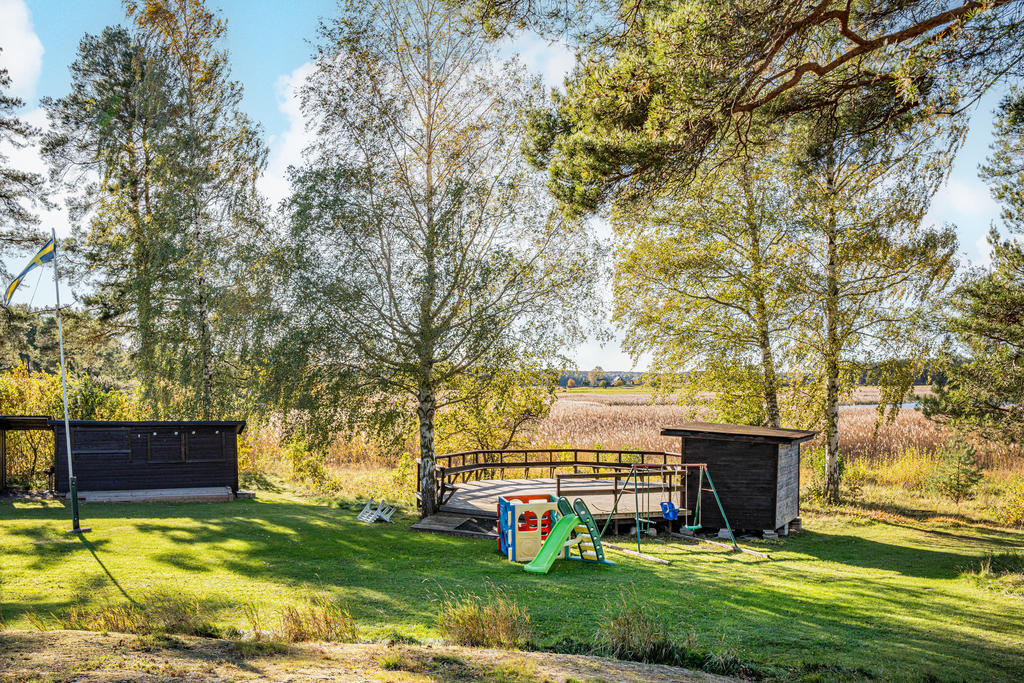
<point x="82" y="656"/>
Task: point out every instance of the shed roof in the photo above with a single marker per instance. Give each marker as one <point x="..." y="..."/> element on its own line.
<point x="17" y="422"/>
<point x="727" y="432"/>
<point x="236" y="426"/>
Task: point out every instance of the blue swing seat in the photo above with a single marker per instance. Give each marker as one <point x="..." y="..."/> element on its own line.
<point x="669" y="511"/>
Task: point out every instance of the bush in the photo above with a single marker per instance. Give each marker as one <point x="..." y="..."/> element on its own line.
<point x="1011" y="512"/>
<point x="307" y="467"/>
<point x="493" y="620"/>
<point x="958" y="472"/>
<point x="816" y="464"/>
<point x="320" y="619"/>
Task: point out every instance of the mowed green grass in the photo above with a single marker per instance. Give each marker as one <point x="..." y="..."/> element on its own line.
<point x="888" y="598"/>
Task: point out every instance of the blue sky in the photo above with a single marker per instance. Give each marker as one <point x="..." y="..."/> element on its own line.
<point x="270" y="46"/>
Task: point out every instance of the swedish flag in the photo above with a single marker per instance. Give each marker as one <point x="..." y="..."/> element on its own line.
<point x="44" y="255"/>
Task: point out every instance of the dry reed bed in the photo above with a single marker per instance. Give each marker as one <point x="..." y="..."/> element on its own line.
<point x="593" y="424"/>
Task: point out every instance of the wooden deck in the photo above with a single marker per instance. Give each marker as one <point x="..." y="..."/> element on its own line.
<point x="480" y="498"/>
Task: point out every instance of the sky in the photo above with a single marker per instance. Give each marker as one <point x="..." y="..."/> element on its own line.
<point x="271" y="44"/>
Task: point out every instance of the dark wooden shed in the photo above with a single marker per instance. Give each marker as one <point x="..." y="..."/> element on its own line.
<point x="119" y="456"/>
<point x="756" y="471"/>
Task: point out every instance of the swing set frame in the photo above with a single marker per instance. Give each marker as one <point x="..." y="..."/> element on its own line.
<point x="669" y="473"/>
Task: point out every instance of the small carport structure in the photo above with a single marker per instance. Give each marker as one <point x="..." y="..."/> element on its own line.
<point x="12" y="423"/>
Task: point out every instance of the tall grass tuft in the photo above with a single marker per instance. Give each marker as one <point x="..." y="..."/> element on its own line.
<point x="492" y="620"/>
<point x="319" y="619"/>
<point x="152" y="614"/>
<point x="1000" y="571"/>
<point x="631" y="631"/>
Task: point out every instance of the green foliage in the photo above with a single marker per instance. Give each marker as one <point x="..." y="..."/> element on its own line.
<point x="168" y="238"/>
<point x="424" y="251"/>
<point x="958" y="473"/>
<point x="20" y="191"/>
<point x="981" y="384"/>
<point x="23" y="392"/>
<point x="28" y="337"/>
<point x="662" y="86"/>
<point x="1011" y="509"/>
<point x="708" y="280"/>
<point x="496" y="412"/>
<point x="307" y="466"/>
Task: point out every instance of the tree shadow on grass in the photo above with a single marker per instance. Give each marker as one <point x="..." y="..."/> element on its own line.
<point x="858" y="600"/>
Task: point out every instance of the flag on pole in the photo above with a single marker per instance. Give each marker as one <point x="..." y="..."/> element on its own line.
<point x="44" y="255"/>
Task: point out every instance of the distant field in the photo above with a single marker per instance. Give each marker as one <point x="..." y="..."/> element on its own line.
<point x="641" y="393"/>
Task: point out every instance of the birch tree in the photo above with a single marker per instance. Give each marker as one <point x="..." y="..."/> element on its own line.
<point x="873" y="266"/>
<point x="707" y="280"/>
<point x="424" y="249"/>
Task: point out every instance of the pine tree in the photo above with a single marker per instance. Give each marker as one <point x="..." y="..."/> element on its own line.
<point x="20" y="190"/>
<point x="115" y="126"/>
<point x="958" y="473"/>
<point x="215" y="156"/>
<point x="981" y="386"/>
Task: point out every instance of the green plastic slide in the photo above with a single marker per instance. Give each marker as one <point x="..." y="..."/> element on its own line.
<point x="554" y="545"/>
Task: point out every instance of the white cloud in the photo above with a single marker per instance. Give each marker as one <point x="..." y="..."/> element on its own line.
<point x="552" y="61"/>
<point x="286" y="149"/>
<point x="22" y="54"/>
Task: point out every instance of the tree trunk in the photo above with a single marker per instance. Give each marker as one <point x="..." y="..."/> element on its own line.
<point x="769" y="376"/>
<point x="831" y="305"/>
<point x="771" y="380"/>
<point x="428" y="473"/>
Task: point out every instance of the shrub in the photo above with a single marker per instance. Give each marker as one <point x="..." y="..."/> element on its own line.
<point x="493" y="620"/>
<point x="815" y="459"/>
<point x="320" y="619"/>
<point x="1011" y="512"/>
<point x="307" y="467"/>
<point x="570" y="383"/>
<point x="958" y="473"/>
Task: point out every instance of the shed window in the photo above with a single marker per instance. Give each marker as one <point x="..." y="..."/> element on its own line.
<point x="165" y="447"/>
<point x="205" y="447"/>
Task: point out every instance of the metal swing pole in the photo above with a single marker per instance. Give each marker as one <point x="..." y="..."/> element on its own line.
<point x="72" y="480"/>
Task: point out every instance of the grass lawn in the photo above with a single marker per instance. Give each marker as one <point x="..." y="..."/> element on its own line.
<point x="886" y="596"/>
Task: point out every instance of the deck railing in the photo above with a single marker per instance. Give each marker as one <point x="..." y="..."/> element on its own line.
<point x="454" y="468"/>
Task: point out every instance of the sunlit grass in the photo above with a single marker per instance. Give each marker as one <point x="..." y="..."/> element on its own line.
<point x="866" y="587"/>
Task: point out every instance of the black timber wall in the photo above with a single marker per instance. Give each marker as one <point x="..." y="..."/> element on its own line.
<point x="746" y="476"/>
<point x="113" y="456"/>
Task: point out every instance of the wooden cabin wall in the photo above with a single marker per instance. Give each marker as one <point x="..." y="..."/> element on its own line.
<point x="744" y="474"/>
<point x="787" y="504"/>
<point x="117" y="457"/>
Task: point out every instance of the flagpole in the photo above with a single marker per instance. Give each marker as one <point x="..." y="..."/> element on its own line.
<point x="72" y="480"/>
